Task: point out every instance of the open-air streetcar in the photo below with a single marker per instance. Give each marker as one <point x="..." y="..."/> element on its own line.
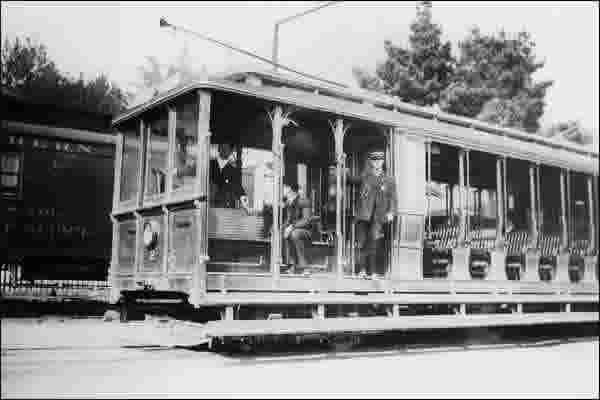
<point x="493" y="226"/>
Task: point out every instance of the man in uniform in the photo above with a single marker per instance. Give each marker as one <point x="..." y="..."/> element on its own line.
<point x="376" y="207"/>
<point x="226" y="179"/>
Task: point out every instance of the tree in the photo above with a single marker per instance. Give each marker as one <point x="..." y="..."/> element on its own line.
<point x="493" y="81"/>
<point x="571" y="131"/>
<point x="156" y="78"/>
<point x="28" y="70"/>
<point x="419" y="74"/>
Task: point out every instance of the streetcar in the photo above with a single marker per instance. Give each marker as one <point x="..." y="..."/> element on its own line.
<point x="492" y="226"/>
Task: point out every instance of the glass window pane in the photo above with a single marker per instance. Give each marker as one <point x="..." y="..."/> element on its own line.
<point x="238" y="241"/>
<point x="186" y="140"/>
<point x="158" y="145"/>
<point x="127" y="234"/>
<point x="10" y="163"/>
<point x="152" y="244"/>
<point x="130" y="164"/>
<point x="183" y="241"/>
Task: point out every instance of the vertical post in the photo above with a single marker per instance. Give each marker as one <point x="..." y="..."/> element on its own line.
<point x="278" y="121"/>
<point x="339" y="134"/>
<point x="592" y="213"/>
<point x="461" y="195"/>
<point x="114" y="261"/>
<point x="467" y="194"/>
<point x="141" y="178"/>
<point x="118" y="169"/>
<point x="563" y="211"/>
<point x="275" y="47"/>
<point x="428" y="160"/>
<point x="540" y="212"/>
<point x="498" y="262"/>
<point x="533" y="204"/>
<point x="532" y="256"/>
<point x="569" y="213"/>
<point x="202" y="191"/>
<point x="164" y="282"/>
<point x="505" y="191"/>
<point x="562" y="267"/>
<point x="590" y="258"/>
<point x="172" y="126"/>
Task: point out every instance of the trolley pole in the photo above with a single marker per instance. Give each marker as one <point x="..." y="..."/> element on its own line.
<point x="275" y="56"/>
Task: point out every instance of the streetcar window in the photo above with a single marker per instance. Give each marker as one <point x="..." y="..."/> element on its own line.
<point x="158" y="144"/>
<point x="130" y="164"/>
<point x="186" y="140"/>
<point x="10" y="172"/>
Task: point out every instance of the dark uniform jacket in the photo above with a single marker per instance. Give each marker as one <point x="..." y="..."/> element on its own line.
<point x="228" y="183"/>
<point x="298" y="213"/>
<point x="376" y="196"/>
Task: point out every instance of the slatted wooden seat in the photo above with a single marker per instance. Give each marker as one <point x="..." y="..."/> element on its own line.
<point x="445" y="236"/>
<point x="482" y="238"/>
<point x="580" y="247"/>
<point x="516" y="242"/>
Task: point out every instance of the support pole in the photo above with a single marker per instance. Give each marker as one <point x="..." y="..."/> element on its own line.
<point x="461" y="198"/>
<point x="339" y="132"/>
<point x="467" y="195"/>
<point x="428" y="160"/>
<point x="563" y="212"/>
<point x="278" y="121"/>
<point x="533" y="205"/>
<point x="562" y="267"/>
<point x="591" y="213"/>
<point x="202" y="191"/>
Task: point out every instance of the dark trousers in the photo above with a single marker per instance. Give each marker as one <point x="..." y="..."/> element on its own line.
<point x="296" y="245"/>
<point x="368" y="235"/>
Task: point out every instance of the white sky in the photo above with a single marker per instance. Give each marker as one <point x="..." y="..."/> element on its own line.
<point x="114" y="37"/>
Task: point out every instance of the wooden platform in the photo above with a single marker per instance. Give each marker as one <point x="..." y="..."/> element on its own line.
<point x="247" y="282"/>
<point x="217" y="299"/>
<point x="224" y="329"/>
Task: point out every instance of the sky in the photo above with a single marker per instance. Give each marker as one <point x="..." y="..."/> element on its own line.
<point x="115" y="37"/>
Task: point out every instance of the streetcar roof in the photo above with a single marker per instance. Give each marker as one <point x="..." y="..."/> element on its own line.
<point x="390" y="111"/>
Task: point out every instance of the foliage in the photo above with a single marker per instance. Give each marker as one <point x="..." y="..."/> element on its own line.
<point x="493" y="81"/>
<point x="570" y="131"/>
<point x="28" y="70"/>
<point x="154" y="79"/>
<point x="418" y="74"/>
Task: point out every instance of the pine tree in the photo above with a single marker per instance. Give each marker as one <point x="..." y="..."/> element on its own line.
<point x="418" y="74"/>
<point x="493" y="81"/>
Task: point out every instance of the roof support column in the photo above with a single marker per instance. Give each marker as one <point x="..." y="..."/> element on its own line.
<point x="202" y="191"/>
<point x="339" y="132"/>
<point x="532" y="256"/>
<point x="499" y="204"/>
<point x="533" y="205"/>
<point x="461" y="198"/>
<point x="562" y="267"/>
<point x="279" y="120"/>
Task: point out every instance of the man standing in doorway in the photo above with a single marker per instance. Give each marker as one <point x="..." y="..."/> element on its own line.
<point x="226" y="179"/>
<point x="376" y="207"/>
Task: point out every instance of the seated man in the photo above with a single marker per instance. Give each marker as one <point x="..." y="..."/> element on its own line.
<point x="226" y="178"/>
<point x="297" y="227"/>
